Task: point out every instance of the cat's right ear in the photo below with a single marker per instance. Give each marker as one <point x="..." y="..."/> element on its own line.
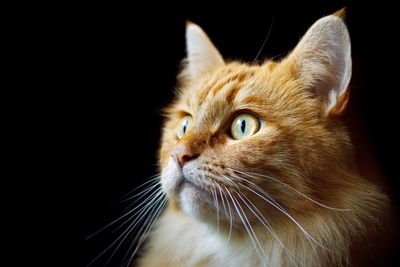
<point x="202" y="55"/>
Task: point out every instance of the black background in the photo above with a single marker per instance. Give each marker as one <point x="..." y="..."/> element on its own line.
<point x="119" y="64"/>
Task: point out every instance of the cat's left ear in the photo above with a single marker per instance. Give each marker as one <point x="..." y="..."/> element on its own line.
<point x="202" y="55"/>
<point x="322" y="61"/>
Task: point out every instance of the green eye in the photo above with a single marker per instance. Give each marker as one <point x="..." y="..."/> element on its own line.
<point x="244" y="125"/>
<point x="184" y="126"/>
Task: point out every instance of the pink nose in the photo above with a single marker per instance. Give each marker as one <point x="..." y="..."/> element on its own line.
<point x="183" y="154"/>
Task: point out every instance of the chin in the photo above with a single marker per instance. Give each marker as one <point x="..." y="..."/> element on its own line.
<point x="196" y="202"/>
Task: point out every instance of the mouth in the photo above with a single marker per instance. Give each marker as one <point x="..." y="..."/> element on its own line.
<point x="188" y="183"/>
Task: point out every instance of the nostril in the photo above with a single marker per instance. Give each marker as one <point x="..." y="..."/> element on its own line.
<point x="183" y="154"/>
<point x="186" y="158"/>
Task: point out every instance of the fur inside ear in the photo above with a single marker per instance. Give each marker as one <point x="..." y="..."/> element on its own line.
<point x="323" y="62"/>
<point x="202" y="56"/>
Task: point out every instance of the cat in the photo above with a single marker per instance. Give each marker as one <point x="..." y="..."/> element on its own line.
<point x="257" y="165"/>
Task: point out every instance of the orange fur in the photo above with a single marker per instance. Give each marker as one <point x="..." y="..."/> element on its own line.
<point x="302" y="144"/>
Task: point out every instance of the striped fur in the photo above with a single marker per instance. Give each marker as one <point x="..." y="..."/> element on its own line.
<point x="303" y="144"/>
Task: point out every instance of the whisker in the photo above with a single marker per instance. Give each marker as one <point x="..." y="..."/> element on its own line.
<point x="231" y="182"/>
<point x="298" y="192"/>
<point x="278" y="55"/>
<point x="215" y="198"/>
<point x="230" y="212"/>
<point x="145" y="209"/>
<point x="110" y="246"/>
<point x="257" y="188"/>
<point x="140" y="233"/>
<point x="156" y="187"/>
<point x="133" y="225"/>
<point x="141" y="193"/>
<point x="146" y="231"/>
<point x="225" y="211"/>
<point x="222" y="199"/>
<point x="126" y="233"/>
<point x="151" y="179"/>
<point x="281" y="209"/>
<point x="248" y="227"/>
<point x="120" y="218"/>
<point x="140" y="212"/>
<point x="265" y="222"/>
<point x="265" y="41"/>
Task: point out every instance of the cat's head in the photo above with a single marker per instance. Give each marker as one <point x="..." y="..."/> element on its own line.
<point x="253" y="140"/>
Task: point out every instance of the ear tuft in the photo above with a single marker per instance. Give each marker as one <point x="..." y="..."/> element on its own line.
<point x="202" y="56"/>
<point x="341" y="13"/>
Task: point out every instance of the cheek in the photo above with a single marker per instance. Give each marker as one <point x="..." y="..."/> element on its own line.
<point x="171" y="177"/>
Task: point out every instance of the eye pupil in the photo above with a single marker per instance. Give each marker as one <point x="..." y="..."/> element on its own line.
<point x="184" y="126"/>
<point x="243" y="126"/>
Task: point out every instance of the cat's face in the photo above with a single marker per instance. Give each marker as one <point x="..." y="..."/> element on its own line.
<point x="244" y="142"/>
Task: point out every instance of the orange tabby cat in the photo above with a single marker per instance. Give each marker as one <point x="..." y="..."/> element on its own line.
<point x="257" y="165"/>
